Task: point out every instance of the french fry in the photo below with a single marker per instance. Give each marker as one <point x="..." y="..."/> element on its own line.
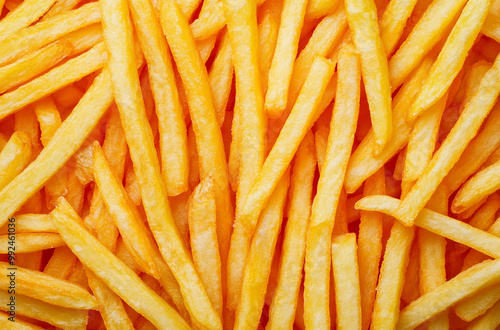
<point x="61" y="317"/>
<point x="17" y="325"/>
<point x="29" y="223"/>
<point x="426" y="33"/>
<point x="484" y="217"/>
<point x="48" y="118"/>
<point x="60" y="7"/>
<point x="34" y="37"/>
<point x="47" y="288"/>
<point x="393" y="22"/>
<point x="370" y="247"/>
<point x="319" y="8"/>
<point x="260" y="257"/>
<point x="25" y="121"/>
<point x="280" y="73"/>
<point x="210" y="21"/>
<point x="363" y="22"/>
<point x="83" y="39"/>
<point x="61" y="262"/>
<point x="172" y="129"/>
<point x="298" y="123"/>
<point x="112" y="271"/>
<point x="31" y="242"/>
<point x="284" y="304"/>
<point x="490" y="320"/>
<point x="203" y="234"/>
<point x="452" y="147"/>
<point x="346" y="276"/>
<point x="27" y="13"/>
<point x="268" y="36"/>
<point x="324" y="208"/>
<point x="14" y="157"/>
<point x="491" y="28"/>
<point x="449" y="61"/>
<point x="65" y="74"/>
<point x="447" y="294"/>
<point x="118" y="38"/>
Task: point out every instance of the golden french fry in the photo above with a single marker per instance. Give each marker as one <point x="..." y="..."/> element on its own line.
<point x="29" y="223"/>
<point x="61" y="262"/>
<point x="17" y="325"/>
<point x="48" y="118"/>
<point x="38" y="35"/>
<point x="318" y="8"/>
<point x="268" y="36"/>
<point x="490" y="320"/>
<point x="452" y="147"/>
<point x="393" y="22"/>
<point x="260" y="257"/>
<point x="324" y="208"/>
<point x="427" y="32"/>
<point x="363" y="22"/>
<point x="14" y="157"/>
<point x="112" y="271"/>
<point x="491" y="27"/>
<point x="60" y="7"/>
<point x="484" y="217"/>
<point x="450" y="61"/>
<point x="284" y="304"/>
<point x="210" y="21"/>
<point x="31" y="242"/>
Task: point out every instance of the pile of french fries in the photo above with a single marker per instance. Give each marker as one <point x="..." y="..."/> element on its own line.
<point x="249" y="164"/>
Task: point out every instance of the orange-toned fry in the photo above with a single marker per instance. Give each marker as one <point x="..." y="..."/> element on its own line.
<point x="48" y="118"/>
<point x="3" y="140"/>
<point x="426" y="33"/>
<point x="26" y="122"/>
<point x="363" y="22"/>
<point x="33" y="64"/>
<point x="83" y="39"/>
<point x="172" y="128"/>
<point x="29" y="223"/>
<point x="363" y="162"/>
<point x="280" y="73"/>
<point x="324" y="208"/>
<point x="447" y="294"/>
<point x="112" y="271"/>
<point x="203" y="235"/>
<point x="63" y="75"/>
<point x="490" y="320"/>
<point x="220" y="77"/>
<point x="452" y="147"/>
<point x="477" y="304"/>
<point x="17" y="325"/>
<point x="210" y="21"/>
<point x="484" y="217"/>
<point x="399" y="166"/>
<point x="346" y="276"/>
<point x="57" y="316"/>
<point x="284" y="303"/>
<point x="260" y="257"/>
<point x="47" y="288"/>
<point x="319" y="8"/>
<point x="38" y="35"/>
<point x="393" y="22"/>
<point x="268" y="36"/>
<point x="205" y="48"/>
<point x="370" y="247"/>
<point x="298" y="123"/>
<point x="422" y="141"/>
<point x="60" y="7"/>
<point x="209" y="141"/>
<point x="28" y="12"/>
<point x="31" y="242"/>
<point x="14" y="157"/>
<point x="450" y="61"/>
<point x="491" y="27"/>
<point x="61" y="262"/>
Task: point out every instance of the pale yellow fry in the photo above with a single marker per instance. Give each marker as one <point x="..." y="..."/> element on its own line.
<point x="490" y="320"/>
<point x="31" y="38"/>
<point x="60" y="317"/>
<point x="280" y="73"/>
<point x="47" y="288"/>
<point x="477" y="188"/>
<point x="60" y="7"/>
<point x="452" y="147"/>
<point x="363" y="22"/>
<point x="450" y="61"/>
<point x="340" y="140"/>
<point x="346" y="277"/>
<point x="319" y="8"/>
<point x="28" y="12"/>
<point x="123" y="212"/>
<point x="210" y="21"/>
<point x="66" y="140"/>
<point x="171" y="125"/>
<point x="6" y="321"/>
<point x="444" y="296"/>
<point x="59" y="77"/>
<point x="478" y="303"/>
<point x="119" y="277"/>
<point x="260" y="257"/>
<point x="31" y="242"/>
<point x="422" y="141"/>
<point x="284" y="303"/>
<point x="363" y="162"/>
<point x="33" y="64"/>
<point x="203" y="235"/>
<point x="117" y="30"/>
<point x="393" y="22"/>
<point x="296" y="126"/>
<point x="491" y="26"/>
<point x="14" y="157"/>
<point x="29" y="223"/>
<point x="439" y="224"/>
<point x="426" y="33"/>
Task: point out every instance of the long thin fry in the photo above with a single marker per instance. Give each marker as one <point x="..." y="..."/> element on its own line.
<point x="14" y="157"/>
<point x="448" y="154"/>
<point x="59" y="77"/>
<point x="34" y="37"/>
<point x="284" y="304"/>
<point x="319" y="8"/>
<point x="210" y="21"/>
<point x="324" y="208"/>
<point x="31" y="242"/>
<point x="60" y="7"/>
<point x="490" y="320"/>
<point x="268" y="36"/>
<point x="393" y="22"/>
<point x="363" y="22"/>
<point x="118" y="38"/>
<point x="28" y="12"/>
<point x="450" y="61"/>
<point x="26" y="223"/>
<point x="18" y="325"/>
<point x="112" y="271"/>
